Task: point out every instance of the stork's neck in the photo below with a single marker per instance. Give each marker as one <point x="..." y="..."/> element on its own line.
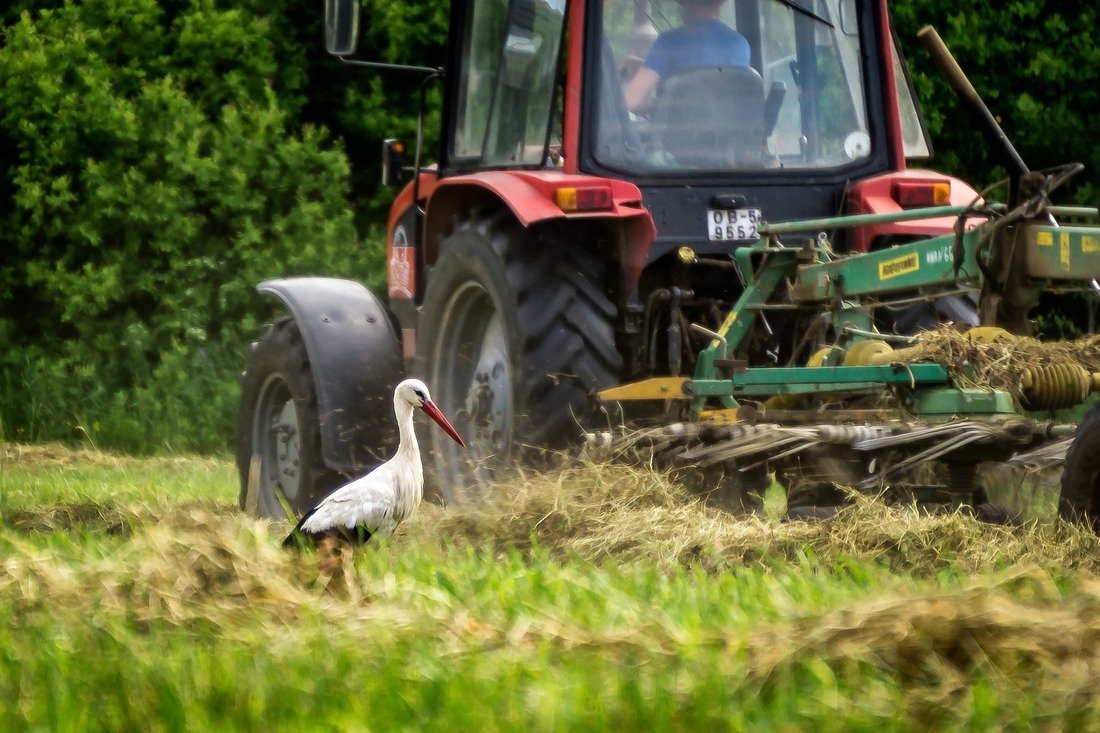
<point x="408" y="471"/>
<point x="407" y="444"/>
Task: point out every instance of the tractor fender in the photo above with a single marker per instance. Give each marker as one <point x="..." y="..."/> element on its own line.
<point x="529" y="194"/>
<point x="354" y="350"/>
<point x="874" y="196"/>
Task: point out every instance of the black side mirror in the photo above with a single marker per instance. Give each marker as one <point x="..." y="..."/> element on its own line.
<point x="393" y="162"/>
<point x="341" y="26"/>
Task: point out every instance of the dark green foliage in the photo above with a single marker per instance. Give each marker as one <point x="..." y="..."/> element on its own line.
<point x="1034" y="62"/>
<point x="369" y="106"/>
<point x="155" y="177"/>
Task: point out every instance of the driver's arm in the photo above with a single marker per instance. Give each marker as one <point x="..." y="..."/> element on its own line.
<point x="640" y="88"/>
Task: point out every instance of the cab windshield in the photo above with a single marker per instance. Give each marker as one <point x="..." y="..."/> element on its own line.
<point x="791" y="95"/>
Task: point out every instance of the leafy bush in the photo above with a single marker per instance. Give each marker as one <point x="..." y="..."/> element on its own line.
<point x="1034" y="63"/>
<point x="155" y="179"/>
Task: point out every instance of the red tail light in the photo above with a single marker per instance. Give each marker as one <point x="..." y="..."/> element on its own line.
<point x="918" y="194"/>
<point x="589" y="198"/>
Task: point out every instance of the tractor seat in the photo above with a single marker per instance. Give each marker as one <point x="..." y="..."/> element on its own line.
<point x="712" y="117"/>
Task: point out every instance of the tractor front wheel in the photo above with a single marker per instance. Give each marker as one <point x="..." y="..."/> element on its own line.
<point x="516" y="336"/>
<point x="278" y="434"/>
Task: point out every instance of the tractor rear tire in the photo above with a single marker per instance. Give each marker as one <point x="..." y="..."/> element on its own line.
<point x="958" y="309"/>
<point x="911" y="320"/>
<point x="278" y="428"/>
<point x="1080" y="499"/>
<point x="996" y="514"/>
<point x="516" y="336"/>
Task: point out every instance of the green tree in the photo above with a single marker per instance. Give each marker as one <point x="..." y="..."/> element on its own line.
<point x="1034" y="62"/>
<point x="155" y="176"/>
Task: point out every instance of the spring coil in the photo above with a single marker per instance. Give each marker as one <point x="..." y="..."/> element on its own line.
<point x="1055" y="386"/>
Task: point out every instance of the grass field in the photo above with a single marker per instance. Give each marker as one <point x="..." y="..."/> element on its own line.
<point x="136" y="597"/>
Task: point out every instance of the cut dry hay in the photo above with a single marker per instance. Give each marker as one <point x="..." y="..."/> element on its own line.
<point x="593" y="511"/>
<point x="88" y="517"/>
<point x="605" y="512"/>
<point x="986" y="359"/>
<point x="207" y="564"/>
<point x="218" y="572"/>
<point x="1018" y="630"/>
<point x="206" y="568"/>
<point x="182" y="565"/>
<point x="909" y="631"/>
<point x="57" y="456"/>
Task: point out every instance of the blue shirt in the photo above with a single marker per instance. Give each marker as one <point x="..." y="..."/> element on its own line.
<point x="697" y="43"/>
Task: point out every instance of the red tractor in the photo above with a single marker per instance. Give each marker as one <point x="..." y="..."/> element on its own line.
<point x="562" y="243"/>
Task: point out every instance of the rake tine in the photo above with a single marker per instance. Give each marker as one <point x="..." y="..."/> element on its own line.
<point x="929" y="454"/>
<point x="912" y="436"/>
<point x="724" y="452"/>
<point x="1045" y="455"/>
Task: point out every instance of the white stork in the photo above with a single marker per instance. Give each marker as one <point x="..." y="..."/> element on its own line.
<point x="375" y="504"/>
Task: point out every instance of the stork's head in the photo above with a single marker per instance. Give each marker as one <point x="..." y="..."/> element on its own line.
<point x="415" y="393"/>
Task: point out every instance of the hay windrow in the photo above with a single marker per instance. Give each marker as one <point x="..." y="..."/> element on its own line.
<point x="205" y="563"/>
<point x="213" y="570"/>
<point x="999" y="362"/>
<point x="1017" y="625"/>
<point x="606" y="512"/>
<point x="181" y="565"/>
<point x="601" y="562"/>
<point x="75" y="517"/>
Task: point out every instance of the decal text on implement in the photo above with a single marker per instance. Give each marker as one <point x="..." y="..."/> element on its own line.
<point x="898" y="266"/>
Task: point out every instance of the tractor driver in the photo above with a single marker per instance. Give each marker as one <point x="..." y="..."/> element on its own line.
<point x="703" y="40"/>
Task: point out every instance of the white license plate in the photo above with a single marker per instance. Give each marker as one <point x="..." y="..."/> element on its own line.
<point x="732" y="225"/>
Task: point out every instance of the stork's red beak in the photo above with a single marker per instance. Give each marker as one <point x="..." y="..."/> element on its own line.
<point x="434" y="413"/>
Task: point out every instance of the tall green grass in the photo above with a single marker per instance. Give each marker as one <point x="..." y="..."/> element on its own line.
<point x="136" y="597"/>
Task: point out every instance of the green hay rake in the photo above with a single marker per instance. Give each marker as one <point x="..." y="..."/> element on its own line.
<point x="856" y="407"/>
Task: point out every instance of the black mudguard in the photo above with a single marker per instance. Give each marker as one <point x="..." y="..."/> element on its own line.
<point x="355" y="355"/>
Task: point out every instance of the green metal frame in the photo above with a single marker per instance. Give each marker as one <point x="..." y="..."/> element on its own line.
<point x="840" y="285"/>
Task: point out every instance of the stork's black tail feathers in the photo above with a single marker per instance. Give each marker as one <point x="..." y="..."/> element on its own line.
<point x="300" y="538"/>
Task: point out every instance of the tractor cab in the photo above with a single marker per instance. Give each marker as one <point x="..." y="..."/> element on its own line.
<point x="781" y="134"/>
<point x="736" y="119"/>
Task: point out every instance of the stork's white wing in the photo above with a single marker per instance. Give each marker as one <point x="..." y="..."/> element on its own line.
<point x="366" y="501"/>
